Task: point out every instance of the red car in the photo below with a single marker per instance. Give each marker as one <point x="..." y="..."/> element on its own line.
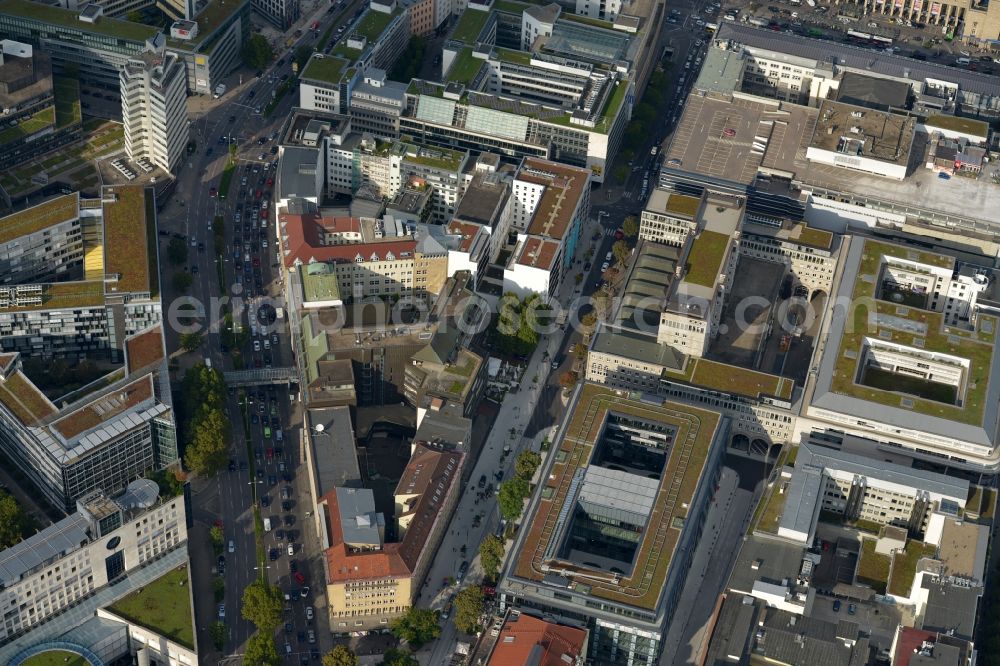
<point x="256" y="262"/>
<point x="270" y="454"/>
<point x="212" y="192"/>
<point x="299" y="578"/>
<point x="259" y="193"/>
<point x="270" y="182"/>
<point x="619" y="235"/>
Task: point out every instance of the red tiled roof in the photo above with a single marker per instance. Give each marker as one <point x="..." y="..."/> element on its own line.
<point x="436" y="469"/>
<point x="303" y="242"/>
<point x="144" y="348"/>
<point x="909" y="640"/>
<point x="538" y="252"/>
<point x="520" y="636"/>
<point x="468" y="232"/>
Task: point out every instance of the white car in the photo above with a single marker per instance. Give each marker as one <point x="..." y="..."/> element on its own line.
<point x="222" y="611"/>
<point x="605" y="266"/>
<point x="309" y="612"/>
<point x="256" y="345"/>
<point x="232" y="546"/>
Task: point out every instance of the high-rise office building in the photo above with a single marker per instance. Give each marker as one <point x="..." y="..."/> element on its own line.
<point x="154" y="108"/>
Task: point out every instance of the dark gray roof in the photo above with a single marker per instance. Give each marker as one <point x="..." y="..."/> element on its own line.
<point x="951" y="608"/>
<point x="638" y="346"/>
<point x="797" y="639"/>
<point x="774" y="561"/>
<point x="334" y="454"/>
<point x="734" y="629"/>
<point x="856" y="58"/>
<point x="813" y="460"/>
<point x="358" y="519"/>
<point x="872" y="92"/>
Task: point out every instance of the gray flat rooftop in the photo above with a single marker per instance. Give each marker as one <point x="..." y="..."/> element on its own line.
<point x="482" y="199"/>
<point x="54" y="541"/>
<point x="856" y="58"/>
<point x="296" y="177"/>
<point x="951" y="608"/>
<point x="877" y="135"/>
<point x="335" y="455"/>
<point x="358" y="520"/>
<point x="637" y="346"/>
<point x="813" y="460"/>
<point x="764" y="559"/>
<point x="616" y="489"/>
<point x="715" y="136"/>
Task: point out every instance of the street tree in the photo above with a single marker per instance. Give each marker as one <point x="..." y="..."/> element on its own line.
<point x="630" y="227"/>
<point x="12" y="521"/>
<point x="526" y="463"/>
<point x="181" y="282"/>
<point x="340" y="655"/>
<point x="568" y="379"/>
<point x="261" y="650"/>
<point x="469" y="605"/>
<point x="191" y="341"/>
<point x="491" y="555"/>
<point x="257" y="52"/>
<point x="177" y="251"/>
<point x="398" y="657"/>
<point x="262" y="604"/>
<point x="302" y="55"/>
<point x="511" y="498"/>
<point x="217" y="632"/>
<point x="417" y="626"/>
<point x="588" y="321"/>
<point x="207" y="448"/>
<point x="621" y="251"/>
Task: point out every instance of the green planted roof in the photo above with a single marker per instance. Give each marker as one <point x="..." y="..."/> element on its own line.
<point x="68" y="18"/>
<point x="324" y="68"/>
<point x="470" y="25"/>
<point x="465" y="67"/>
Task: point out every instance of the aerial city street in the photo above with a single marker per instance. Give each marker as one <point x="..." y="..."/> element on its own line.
<point x="499" y="332"/>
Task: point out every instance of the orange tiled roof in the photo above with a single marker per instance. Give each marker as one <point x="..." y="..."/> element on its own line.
<point x="429" y="470"/>
<point x="144" y="348"/>
<point x="520" y="636"/>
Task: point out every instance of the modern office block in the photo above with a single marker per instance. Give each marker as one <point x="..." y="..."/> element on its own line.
<point x="154" y="109"/>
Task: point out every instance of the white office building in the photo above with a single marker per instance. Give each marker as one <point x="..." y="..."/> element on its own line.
<point x="154" y="109"/>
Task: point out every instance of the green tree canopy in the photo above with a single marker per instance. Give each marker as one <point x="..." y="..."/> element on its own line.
<point x="511" y="497"/>
<point x="469" y="604"/>
<point x="417" y="626"/>
<point x="261" y="651"/>
<point x="257" y="52"/>
<point x="207" y="448"/>
<point x="398" y="657"/>
<point x="12" y="521"/>
<point x="340" y="655"/>
<point x="191" y="341"/>
<point x="262" y="605"/>
<point x="491" y="555"/>
<point x="177" y="251"/>
<point x="181" y="282"/>
<point x="526" y="463"/>
<point x="302" y="55"/>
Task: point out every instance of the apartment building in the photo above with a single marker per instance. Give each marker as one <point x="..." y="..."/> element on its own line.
<point x="279" y="13"/>
<point x="98" y="251"/>
<point x="809" y="254"/>
<point x="444" y="371"/>
<point x="693" y="311"/>
<point x="369" y="257"/>
<point x="154" y="109"/>
<point x="369" y="581"/>
<point x="758" y="404"/>
<point x="550" y="203"/>
<point x="47" y="111"/>
<point x="828" y="478"/>
<point x="101" y="438"/>
<point x="376" y="103"/>
<point x="916" y="378"/>
<point x="107" y="537"/>
<point x="668" y="217"/>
